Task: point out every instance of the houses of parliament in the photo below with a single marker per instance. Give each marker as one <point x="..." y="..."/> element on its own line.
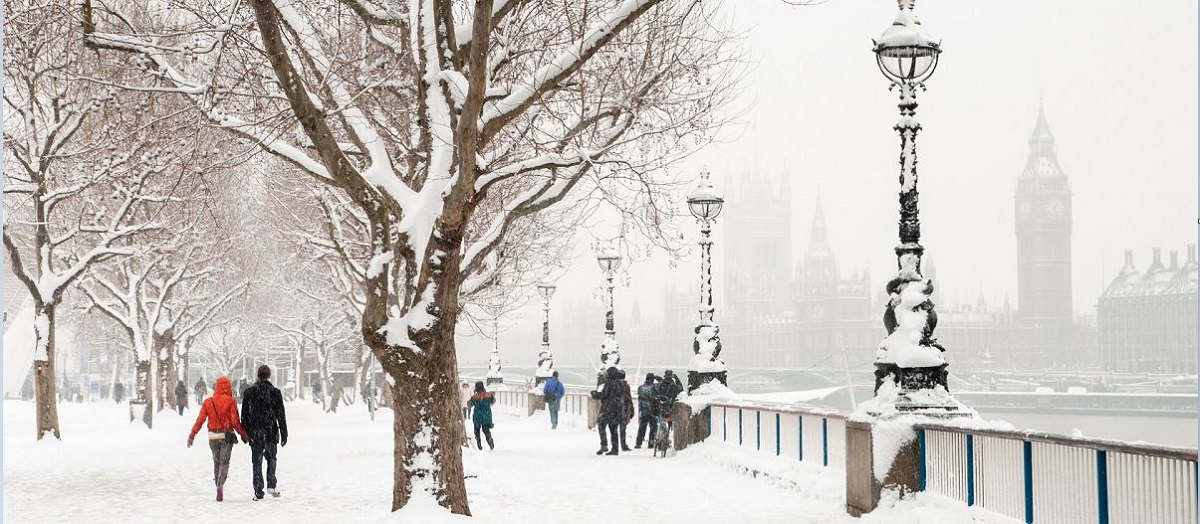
<point x="813" y="314"/>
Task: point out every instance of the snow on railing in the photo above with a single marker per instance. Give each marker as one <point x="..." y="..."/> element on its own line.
<point x="788" y="431"/>
<point x="1041" y="477"/>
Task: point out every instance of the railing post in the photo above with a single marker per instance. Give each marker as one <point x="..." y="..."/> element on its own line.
<point x="739" y="426"/>
<point x="710" y="410"/>
<point x="800" y="433"/>
<point x="1027" y="452"/>
<point x="824" y="441"/>
<point x="724" y="424"/>
<point x="757" y="430"/>
<point x="921" y="456"/>
<point x="1102" y="484"/>
<point x="970" y="469"/>
<point x="777" y="434"/>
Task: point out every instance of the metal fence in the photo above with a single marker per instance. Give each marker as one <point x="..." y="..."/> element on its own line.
<point x="786" y="431"/>
<point x="1045" y="478"/>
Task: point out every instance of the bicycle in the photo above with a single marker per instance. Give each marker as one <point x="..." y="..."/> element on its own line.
<point x="662" y="425"/>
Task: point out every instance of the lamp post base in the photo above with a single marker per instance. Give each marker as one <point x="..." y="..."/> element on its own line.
<point x="537" y="381"/>
<point x="698" y="378"/>
<point x="911" y="379"/>
<point x="495" y="380"/>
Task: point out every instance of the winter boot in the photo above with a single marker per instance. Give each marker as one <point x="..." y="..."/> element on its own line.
<point x="614" y="452"/>
<point x="491" y="445"/>
<point x="274" y="492"/>
<point x="602" y="451"/>
<point x="220" y="494"/>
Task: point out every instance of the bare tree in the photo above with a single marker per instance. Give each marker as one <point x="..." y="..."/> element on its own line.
<point x="449" y="127"/>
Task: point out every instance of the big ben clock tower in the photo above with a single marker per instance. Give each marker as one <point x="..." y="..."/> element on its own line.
<point x="1043" y="224"/>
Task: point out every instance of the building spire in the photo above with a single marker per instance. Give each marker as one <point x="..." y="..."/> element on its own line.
<point x="1043" y="162"/>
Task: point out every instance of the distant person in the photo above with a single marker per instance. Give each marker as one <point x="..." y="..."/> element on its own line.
<point x="335" y="395"/>
<point x="612" y="410"/>
<point x="368" y="395"/>
<point x="316" y="392"/>
<point x="221" y="411"/>
<point x="627" y="410"/>
<point x="646" y="410"/>
<point x="464" y="394"/>
<point x="242" y="386"/>
<point x="554" y="391"/>
<point x="670" y="386"/>
<point x="119" y="392"/>
<point x="180" y="396"/>
<point x="266" y="422"/>
<point x="201" y="390"/>
<point x="481" y="408"/>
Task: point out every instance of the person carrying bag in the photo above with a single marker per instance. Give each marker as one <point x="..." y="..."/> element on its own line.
<point x="224" y="427"/>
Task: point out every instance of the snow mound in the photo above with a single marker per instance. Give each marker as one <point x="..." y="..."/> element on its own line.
<point x="708" y="393"/>
<point x="425" y="510"/>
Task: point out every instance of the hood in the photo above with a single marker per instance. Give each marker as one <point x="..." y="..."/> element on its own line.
<point x="613" y="373"/>
<point x="224" y="387"/>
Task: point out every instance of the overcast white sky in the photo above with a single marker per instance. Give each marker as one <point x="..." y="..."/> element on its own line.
<point x="1118" y="80"/>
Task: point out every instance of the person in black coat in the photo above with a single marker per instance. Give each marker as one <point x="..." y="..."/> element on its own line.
<point x="612" y="410"/>
<point x="266" y="424"/>
<point x="180" y="397"/>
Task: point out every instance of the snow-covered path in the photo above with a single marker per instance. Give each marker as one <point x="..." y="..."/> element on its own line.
<point x="337" y="468"/>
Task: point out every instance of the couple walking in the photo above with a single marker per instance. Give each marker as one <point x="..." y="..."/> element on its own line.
<point x="262" y="424"/>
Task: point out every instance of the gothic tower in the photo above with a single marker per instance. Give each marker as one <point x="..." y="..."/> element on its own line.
<point x="1043" y="225"/>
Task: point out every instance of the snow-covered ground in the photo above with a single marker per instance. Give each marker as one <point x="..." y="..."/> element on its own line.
<point x="337" y="468"/>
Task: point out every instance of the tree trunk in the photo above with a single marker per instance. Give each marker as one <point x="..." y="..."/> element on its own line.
<point x="143" y="390"/>
<point x="428" y="423"/>
<point x="45" y="378"/>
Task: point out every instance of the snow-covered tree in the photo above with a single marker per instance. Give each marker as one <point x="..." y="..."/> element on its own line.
<point x="85" y="165"/>
<point x="449" y="126"/>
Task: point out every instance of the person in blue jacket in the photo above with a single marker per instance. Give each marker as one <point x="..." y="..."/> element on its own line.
<point x="554" y="391"/>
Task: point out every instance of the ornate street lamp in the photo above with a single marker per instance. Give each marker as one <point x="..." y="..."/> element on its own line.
<point x="545" y="365"/>
<point x="705" y="203"/>
<point x="610" y="352"/>
<point x="910" y="356"/>
<point x="494" y="375"/>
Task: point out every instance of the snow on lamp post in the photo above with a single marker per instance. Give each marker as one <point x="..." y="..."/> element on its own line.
<point x="705" y="203"/>
<point x="909" y="356"/>
<point x="610" y="354"/>
<point x="494" y="375"/>
<point x="545" y="365"/>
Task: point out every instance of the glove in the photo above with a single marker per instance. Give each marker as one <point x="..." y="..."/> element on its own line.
<point x="190" y="439"/>
<point x="245" y="440"/>
<point x="283" y="441"/>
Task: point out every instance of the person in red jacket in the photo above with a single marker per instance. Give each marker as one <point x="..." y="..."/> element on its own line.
<point x="221" y="411"/>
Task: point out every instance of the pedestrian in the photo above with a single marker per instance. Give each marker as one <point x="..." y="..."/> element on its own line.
<point x="646" y="410"/>
<point x="201" y="391"/>
<point x="180" y="396"/>
<point x="612" y="410"/>
<point x="368" y="395"/>
<point x="316" y="392"/>
<point x="242" y="387"/>
<point x="266" y="422"/>
<point x="554" y="391"/>
<point x="481" y="407"/>
<point x="119" y="392"/>
<point x="221" y="411"/>
<point x="464" y="395"/>
<point x="628" y="410"/>
<point x="335" y="394"/>
<point x="670" y="386"/>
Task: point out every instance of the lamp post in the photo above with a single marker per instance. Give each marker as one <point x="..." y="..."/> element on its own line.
<point x="705" y="203"/>
<point x="494" y="375"/>
<point x="545" y="365"/>
<point x="610" y="354"/>
<point x="910" y="356"/>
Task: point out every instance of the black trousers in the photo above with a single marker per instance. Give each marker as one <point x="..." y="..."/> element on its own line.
<point x="259" y="451"/>
<point x="610" y="429"/>
<point x="646" y="421"/>
<point x="487" y="432"/>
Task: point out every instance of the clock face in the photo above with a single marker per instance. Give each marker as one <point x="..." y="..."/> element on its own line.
<point x="1024" y="208"/>
<point x="1055" y="208"/>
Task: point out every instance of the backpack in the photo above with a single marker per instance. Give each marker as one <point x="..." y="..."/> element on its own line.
<point x="548" y="393"/>
<point x="645" y="398"/>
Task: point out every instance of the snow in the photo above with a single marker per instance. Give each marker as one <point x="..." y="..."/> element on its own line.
<point x="338" y="468"/>
<point x="707" y="393"/>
